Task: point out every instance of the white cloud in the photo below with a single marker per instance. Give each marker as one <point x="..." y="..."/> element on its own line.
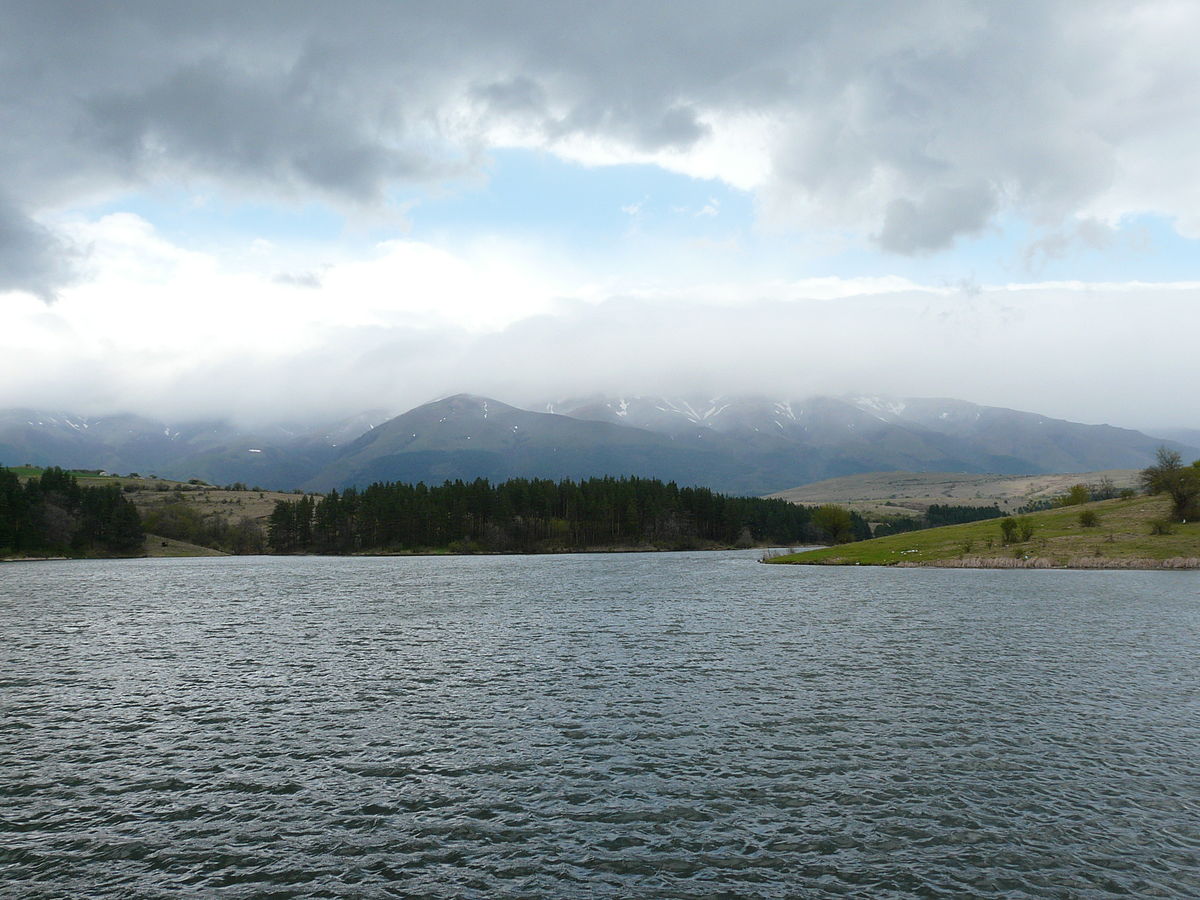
<point x="174" y="332"/>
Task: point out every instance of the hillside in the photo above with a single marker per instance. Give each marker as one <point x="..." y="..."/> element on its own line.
<point x="468" y="437"/>
<point x="1122" y="539"/>
<point x="904" y="493"/>
<point x="737" y="445"/>
<point x="277" y="455"/>
<point x="847" y="435"/>
<point x="734" y="445"/>
<point x="187" y="509"/>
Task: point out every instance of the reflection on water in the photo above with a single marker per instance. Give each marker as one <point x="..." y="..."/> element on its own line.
<point x="657" y="725"/>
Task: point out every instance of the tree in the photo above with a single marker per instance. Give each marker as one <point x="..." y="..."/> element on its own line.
<point x="834" y="522"/>
<point x="1104" y="489"/>
<point x="53" y="513"/>
<point x="1024" y="528"/>
<point x="281" y="527"/>
<point x="1008" y="530"/>
<point x="1076" y="495"/>
<point x="1181" y="483"/>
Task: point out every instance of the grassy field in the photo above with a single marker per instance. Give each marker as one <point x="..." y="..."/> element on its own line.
<point x="146" y="493"/>
<point x="159" y="546"/>
<point x="1122" y="539"/>
<point x="87" y="478"/>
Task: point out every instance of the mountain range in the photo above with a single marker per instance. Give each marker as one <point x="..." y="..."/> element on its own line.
<point x="742" y="445"/>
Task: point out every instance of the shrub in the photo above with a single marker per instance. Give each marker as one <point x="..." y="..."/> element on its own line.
<point x="1162" y="526"/>
<point x="1008" y="530"/>
<point x="1077" y="494"/>
<point x="1104" y="489"/>
<point x="1180" y="482"/>
<point x="1088" y="518"/>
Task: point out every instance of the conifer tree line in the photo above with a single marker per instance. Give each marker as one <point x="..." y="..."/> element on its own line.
<point x="531" y="515"/>
<point x="53" y="514"/>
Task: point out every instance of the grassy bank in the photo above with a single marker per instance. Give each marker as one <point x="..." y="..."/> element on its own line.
<point x="1121" y="538"/>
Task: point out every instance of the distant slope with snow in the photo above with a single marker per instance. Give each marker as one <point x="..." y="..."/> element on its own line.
<point x="273" y="456"/>
<point x="885" y="433"/>
<point x="743" y="445"/>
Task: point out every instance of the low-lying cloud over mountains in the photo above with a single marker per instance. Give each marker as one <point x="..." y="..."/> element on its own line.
<point x="744" y="445"/>
<point x="1087" y="354"/>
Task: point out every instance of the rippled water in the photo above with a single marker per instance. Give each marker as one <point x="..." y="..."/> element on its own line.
<point x="659" y="725"/>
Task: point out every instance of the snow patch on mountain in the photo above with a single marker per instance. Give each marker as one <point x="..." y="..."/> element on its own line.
<point x="882" y="408"/>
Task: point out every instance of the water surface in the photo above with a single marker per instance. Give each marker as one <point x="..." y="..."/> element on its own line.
<point x="640" y="725"/>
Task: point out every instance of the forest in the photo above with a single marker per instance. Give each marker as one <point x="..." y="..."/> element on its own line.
<point x="531" y="515"/>
<point x="53" y="514"/>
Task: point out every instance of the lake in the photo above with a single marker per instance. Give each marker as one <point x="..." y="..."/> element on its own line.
<point x="633" y="725"/>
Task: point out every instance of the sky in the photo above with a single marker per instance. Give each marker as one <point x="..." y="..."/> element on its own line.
<point x="280" y="210"/>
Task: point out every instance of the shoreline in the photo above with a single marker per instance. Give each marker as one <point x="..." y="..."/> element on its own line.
<point x="613" y="551"/>
<point x="1080" y="564"/>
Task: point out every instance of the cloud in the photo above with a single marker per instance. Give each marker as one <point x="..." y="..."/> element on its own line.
<point x="32" y="257"/>
<point x="298" y="279"/>
<point x="935" y="222"/>
<point x="177" y="333"/>
<point x="237" y="123"/>
<point x="918" y="124"/>
<point x="1084" y="233"/>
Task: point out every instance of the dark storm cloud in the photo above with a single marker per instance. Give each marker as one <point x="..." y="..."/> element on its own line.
<point x="33" y="258"/>
<point x="915" y="122"/>
<point x="212" y="118"/>
<point x="941" y="216"/>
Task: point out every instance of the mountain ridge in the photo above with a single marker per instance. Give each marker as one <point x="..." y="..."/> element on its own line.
<point x="736" y="444"/>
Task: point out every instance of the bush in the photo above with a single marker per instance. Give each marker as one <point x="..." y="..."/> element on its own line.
<point x="1024" y="528"/>
<point x="1089" y="519"/>
<point x="1077" y="495"/>
<point x="834" y="522"/>
<point x="1162" y="526"/>
<point x="1008" y="530"/>
<point x="1104" y="489"/>
<point x="1181" y="483"/>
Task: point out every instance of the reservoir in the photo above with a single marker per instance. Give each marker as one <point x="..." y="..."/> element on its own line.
<point x="626" y="725"/>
